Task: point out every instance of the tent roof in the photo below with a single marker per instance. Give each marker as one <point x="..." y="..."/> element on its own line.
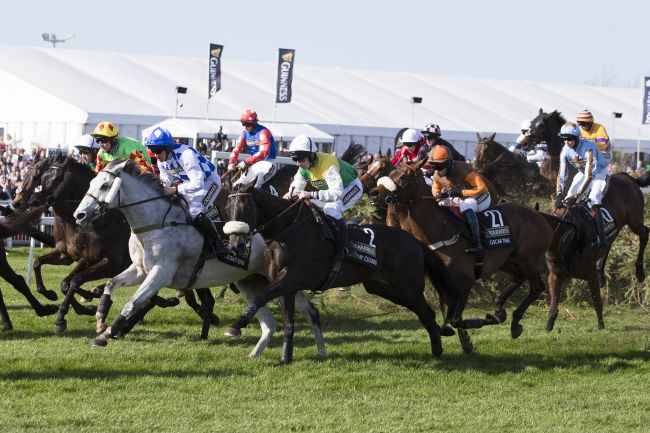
<point x="143" y="86"/>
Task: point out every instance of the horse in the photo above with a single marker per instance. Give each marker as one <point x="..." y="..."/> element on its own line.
<point x="99" y="253"/>
<point x="573" y="255"/>
<point x="300" y="257"/>
<point x="165" y="250"/>
<point x="417" y="212"/>
<point x="21" y="224"/>
<point x="508" y="172"/>
<point x="544" y="128"/>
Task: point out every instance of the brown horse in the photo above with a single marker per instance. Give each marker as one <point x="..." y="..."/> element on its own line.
<point x="574" y="254"/>
<point x="300" y="257"/>
<point x="509" y="173"/>
<point x="13" y="225"/>
<point x="544" y="128"/>
<point x="436" y="226"/>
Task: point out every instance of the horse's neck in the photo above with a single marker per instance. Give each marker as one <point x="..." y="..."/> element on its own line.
<point x="149" y="212"/>
<point x="430" y="222"/>
<point x="269" y="209"/>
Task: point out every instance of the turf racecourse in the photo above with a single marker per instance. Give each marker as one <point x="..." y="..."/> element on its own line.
<point x="379" y="376"/>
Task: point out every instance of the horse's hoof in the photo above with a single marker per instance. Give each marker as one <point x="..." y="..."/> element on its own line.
<point x="99" y="342"/>
<point x="50" y="295"/>
<point x="640" y="275"/>
<point x="501" y="315"/>
<point x="447" y="331"/>
<point x="47" y="310"/>
<point x="465" y="342"/>
<point x="60" y="326"/>
<point x="515" y="330"/>
<point x="6" y="327"/>
<point x="233" y="332"/>
<point x="491" y="320"/>
<point x="601" y="326"/>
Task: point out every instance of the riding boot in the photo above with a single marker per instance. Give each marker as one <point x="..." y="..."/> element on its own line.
<point x="601" y="240"/>
<point x="342" y="238"/>
<point x="477" y="246"/>
<point x="207" y="229"/>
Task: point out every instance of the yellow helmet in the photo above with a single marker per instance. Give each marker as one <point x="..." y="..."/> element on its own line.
<point x="105" y="129"/>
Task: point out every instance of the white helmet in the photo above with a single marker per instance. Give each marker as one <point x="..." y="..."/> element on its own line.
<point x="411" y="136"/>
<point x="87" y="141"/>
<point x="302" y="143"/>
<point x="525" y="125"/>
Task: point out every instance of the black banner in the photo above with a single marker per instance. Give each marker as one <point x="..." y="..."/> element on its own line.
<point x="285" y="75"/>
<point x="214" y="68"/>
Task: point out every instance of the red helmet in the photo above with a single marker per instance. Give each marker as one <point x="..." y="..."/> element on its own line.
<point x="249" y="116"/>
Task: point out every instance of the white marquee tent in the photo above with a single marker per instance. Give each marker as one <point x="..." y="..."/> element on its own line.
<point x="52" y="96"/>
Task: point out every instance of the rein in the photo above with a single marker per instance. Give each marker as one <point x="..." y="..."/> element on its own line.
<point x="261" y="227"/>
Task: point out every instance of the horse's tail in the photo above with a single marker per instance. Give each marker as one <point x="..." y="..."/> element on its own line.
<point x="642" y="181"/>
<point x="23" y="223"/>
<point x="440" y="277"/>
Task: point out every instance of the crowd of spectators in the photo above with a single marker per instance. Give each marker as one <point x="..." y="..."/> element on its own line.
<point x="14" y="164"/>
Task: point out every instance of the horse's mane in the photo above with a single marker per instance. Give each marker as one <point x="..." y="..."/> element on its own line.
<point x="557" y="115"/>
<point x="131" y="167"/>
<point x="354" y="153"/>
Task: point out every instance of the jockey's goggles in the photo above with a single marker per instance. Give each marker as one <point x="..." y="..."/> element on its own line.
<point x="438" y="166"/>
<point x="247" y="124"/>
<point x="102" y="140"/>
<point x="568" y="138"/>
<point x="157" y="149"/>
<point x="297" y="157"/>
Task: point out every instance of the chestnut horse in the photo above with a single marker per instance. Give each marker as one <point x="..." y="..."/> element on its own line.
<point x="436" y="226"/>
<point x="299" y="257"/>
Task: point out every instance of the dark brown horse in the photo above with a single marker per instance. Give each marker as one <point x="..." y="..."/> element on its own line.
<point x="544" y="128"/>
<point x="508" y="172"/>
<point x="436" y="226"/>
<point x="574" y="254"/>
<point x="301" y="258"/>
<point x="13" y="225"/>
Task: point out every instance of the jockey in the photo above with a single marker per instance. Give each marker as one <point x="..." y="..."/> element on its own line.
<point x="114" y="146"/>
<point x="455" y="183"/>
<point x="431" y="133"/>
<point x="525" y="127"/>
<point x="594" y="132"/>
<point x="87" y="148"/>
<point x="261" y="146"/>
<point x="185" y="172"/>
<point x="411" y="142"/>
<point x="337" y="181"/>
<point x="592" y="175"/>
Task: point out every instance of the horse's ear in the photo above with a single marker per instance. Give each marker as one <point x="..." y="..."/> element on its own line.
<point x="541" y="111"/>
<point x="478" y="137"/>
<point x="389" y="153"/>
<point x="379" y="155"/>
<point x="537" y="206"/>
<point x="492" y="136"/>
<point x="68" y="160"/>
<point x="418" y="165"/>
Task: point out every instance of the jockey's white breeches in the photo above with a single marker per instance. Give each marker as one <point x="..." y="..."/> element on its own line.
<point x="351" y="194"/>
<point x="596" y="190"/>
<point x="261" y="172"/>
<point x="477" y="204"/>
<point x="199" y="201"/>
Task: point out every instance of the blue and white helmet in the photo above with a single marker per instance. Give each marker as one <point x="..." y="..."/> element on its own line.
<point x="569" y="130"/>
<point x="160" y="137"/>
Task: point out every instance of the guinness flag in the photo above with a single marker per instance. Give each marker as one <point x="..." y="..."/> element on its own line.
<point x="646" y="101"/>
<point x="285" y="75"/>
<point x="214" y="67"/>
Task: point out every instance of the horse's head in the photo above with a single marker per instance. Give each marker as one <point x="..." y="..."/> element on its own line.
<point x="399" y="186"/>
<point x="241" y="214"/>
<point x="101" y="195"/>
<point x="544" y="127"/>
<point x="486" y="150"/>
<point x="31" y="184"/>
<point x="379" y="167"/>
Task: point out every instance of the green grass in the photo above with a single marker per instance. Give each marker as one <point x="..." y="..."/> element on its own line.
<point x="378" y="377"/>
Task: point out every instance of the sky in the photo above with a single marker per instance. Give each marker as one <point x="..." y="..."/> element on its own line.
<point x="563" y="41"/>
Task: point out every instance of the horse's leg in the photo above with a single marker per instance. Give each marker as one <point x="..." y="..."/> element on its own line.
<point x="600" y="266"/>
<point x="18" y="282"/>
<point x="80" y="266"/>
<point x="288" y="303"/>
<point x="536" y="288"/>
<point x="406" y="294"/>
<point x="597" y="300"/>
<point x="207" y="311"/>
<point x="312" y="314"/>
<point x="130" y="276"/>
<point x="503" y="296"/>
<point x="554" y="287"/>
<point x="54" y="257"/>
<point x="642" y="232"/>
<point x="4" y="315"/>
<point x="191" y="301"/>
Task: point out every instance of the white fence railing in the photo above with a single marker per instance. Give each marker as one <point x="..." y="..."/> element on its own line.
<point x="242" y="156"/>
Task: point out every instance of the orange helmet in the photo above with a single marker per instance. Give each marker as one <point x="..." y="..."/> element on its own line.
<point x="439" y="154"/>
<point x="249" y="116"/>
<point x="105" y="129"/>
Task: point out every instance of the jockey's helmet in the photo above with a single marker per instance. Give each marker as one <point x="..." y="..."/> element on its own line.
<point x="249" y="116"/>
<point x="525" y="125"/>
<point x="105" y="134"/>
<point x="411" y="137"/>
<point x="440" y="158"/>
<point x="301" y="147"/>
<point x="87" y="142"/>
<point x="160" y="139"/>
<point x="585" y="116"/>
<point x="431" y="130"/>
<point x="570" y="131"/>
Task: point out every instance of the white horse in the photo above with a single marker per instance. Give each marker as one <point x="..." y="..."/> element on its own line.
<point x="165" y="248"/>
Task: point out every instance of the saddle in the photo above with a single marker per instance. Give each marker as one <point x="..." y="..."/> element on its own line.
<point x="493" y="225"/>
